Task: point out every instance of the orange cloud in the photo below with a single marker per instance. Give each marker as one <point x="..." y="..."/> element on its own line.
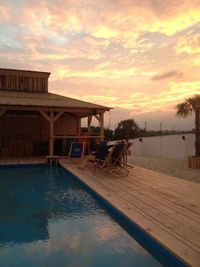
<point x="189" y="44"/>
<point x="102" y="31"/>
<point x="179" y="23"/>
<point x="5" y="12"/>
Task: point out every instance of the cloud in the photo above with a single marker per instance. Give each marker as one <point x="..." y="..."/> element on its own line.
<point x="170" y="26"/>
<point x="167" y="75"/>
<point x="189" y="44"/>
<point x="5" y="12"/>
<point x="101" y="31"/>
<point x="109" y="52"/>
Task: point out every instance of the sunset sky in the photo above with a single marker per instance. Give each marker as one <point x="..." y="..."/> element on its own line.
<point x="140" y="57"/>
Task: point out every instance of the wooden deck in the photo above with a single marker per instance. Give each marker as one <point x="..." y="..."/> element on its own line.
<point x="167" y="208"/>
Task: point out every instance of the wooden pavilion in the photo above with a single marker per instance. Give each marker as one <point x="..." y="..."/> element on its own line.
<point x="35" y="122"/>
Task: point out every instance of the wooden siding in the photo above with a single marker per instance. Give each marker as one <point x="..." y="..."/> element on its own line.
<point x="67" y="125"/>
<point x="28" y="135"/>
<point x="23" y="135"/>
<point x="16" y="80"/>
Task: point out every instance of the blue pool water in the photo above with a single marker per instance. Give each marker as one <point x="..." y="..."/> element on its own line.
<point x="48" y="220"/>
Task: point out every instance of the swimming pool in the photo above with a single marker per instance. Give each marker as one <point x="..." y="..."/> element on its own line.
<point x="48" y="219"/>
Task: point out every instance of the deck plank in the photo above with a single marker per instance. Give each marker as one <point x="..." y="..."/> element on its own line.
<point x="167" y="208"/>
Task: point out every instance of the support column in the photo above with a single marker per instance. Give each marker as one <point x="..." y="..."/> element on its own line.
<point x="89" y="132"/>
<point x="100" y="119"/>
<point x="51" y="141"/>
<point x="79" y="126"/>
<point x="89" y="123"/>
<point x="197" y="134"/>
<point x="102" y="126"/>
<point x="51" y="119"/>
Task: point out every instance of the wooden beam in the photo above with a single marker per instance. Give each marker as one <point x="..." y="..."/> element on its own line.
<point x="89" y="120"/>
<point x="98" y="117"/>
<point x="45" y="115"/>
<point x="51" y="119"/>
<point x="51" y="140"/>
<point x="89" y="130"/>
<point x="102" y="125"/>
<point x="89" y="123"/>
<point x="74" y="111"/>
<point x="48" y="117"/>
<point x="58" y="116"/>
<point x="76" y="136"/>
<point x="79" y="126"/>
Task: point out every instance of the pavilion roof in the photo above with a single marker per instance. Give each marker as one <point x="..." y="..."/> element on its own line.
<point x="45" y="100"/>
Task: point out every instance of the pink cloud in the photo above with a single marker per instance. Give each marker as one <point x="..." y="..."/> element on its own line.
<point x="107" y="51"/>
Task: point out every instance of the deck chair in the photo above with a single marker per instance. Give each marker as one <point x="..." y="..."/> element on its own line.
<point x="120" y="165"/>
<point x="100" y="154"/>
<point x="127" y="152"/>
<point x="102" y="151"/>
<point x="113" y="160"/>
<point x="76" y="152"/>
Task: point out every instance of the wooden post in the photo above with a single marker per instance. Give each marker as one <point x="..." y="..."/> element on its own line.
<point x="89" y="132"/>
<point x="79" y="126"/>
<point x="51" y="119"/>
<point x="102" y="126"/>
<point x="51" y="140"/>
<point x="89" y="123"/>
<point x="100" y="119"/>
<point x="197" y="132"/>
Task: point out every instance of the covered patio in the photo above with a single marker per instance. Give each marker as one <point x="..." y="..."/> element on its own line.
<point x="34" y="122"/>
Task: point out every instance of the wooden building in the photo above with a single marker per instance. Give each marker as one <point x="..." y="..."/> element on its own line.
<point x="35" y="122"/>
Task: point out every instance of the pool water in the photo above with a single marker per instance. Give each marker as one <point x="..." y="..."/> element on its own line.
<point x="48" y="220"/>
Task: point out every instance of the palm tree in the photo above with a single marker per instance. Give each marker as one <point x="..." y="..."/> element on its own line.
<point x="192" y="105"/>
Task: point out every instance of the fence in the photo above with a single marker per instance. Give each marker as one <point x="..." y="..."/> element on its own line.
<point x="167" y="146"/>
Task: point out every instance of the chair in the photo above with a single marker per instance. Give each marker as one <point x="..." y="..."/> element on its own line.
<point x="102" y="151"/>
<point x="126" y="153"/>
<point x="120" y="163"/>
<point x="113" y="161"/>
<point x="76" y="151"/>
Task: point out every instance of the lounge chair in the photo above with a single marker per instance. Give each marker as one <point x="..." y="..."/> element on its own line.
<point x="126" y="153"/>
<point x="76" y="151"/>
<point x="114" y="161"/>
<point x="102" y="151"/>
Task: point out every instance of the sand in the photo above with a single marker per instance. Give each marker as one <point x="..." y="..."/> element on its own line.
<point x="176" y="168"/>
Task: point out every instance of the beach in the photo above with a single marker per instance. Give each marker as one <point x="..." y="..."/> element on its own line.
<point x="172" y="167"/>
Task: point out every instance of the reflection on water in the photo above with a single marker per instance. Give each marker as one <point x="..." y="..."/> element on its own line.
<point x="47" y="219"/>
